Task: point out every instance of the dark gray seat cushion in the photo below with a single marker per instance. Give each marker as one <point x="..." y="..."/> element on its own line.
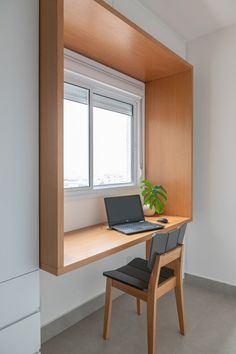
<point x="137" y="274"/>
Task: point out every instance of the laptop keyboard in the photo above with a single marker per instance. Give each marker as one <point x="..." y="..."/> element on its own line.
<point x="138" y="226"/>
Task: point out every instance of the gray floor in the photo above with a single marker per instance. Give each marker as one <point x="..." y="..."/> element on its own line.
<point x="211" y="327"/>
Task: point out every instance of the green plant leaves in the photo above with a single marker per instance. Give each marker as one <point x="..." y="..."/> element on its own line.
<point x="160" y="187"/>
<point x="147" y="200"/>
<point x="153" y="195"/>
<point x="164" y="196"/>
<point x="147" y="185"/>
<point x="145" y="191"/>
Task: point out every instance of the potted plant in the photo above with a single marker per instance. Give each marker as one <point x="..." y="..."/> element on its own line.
<point x="154" y="198"/>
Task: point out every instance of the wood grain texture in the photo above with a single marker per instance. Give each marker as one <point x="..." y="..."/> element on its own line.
<point x="148" y="248"/>
<point x="165" y="287"/>
<point x="169" y="257"/>
<point x="151" y="323"/>
<point x="179" y="293"/>
<point x="90" y="244"/>
<point x="152" y="306"/>
<point x="97" y="31"/>
<point x="108" y="309"/>
<point x="51" y="135"/>
<point x="139" y="305"/>
<point x="169" y="139"/>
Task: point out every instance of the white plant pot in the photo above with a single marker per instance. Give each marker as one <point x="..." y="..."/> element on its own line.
<point x="147" y="211"/>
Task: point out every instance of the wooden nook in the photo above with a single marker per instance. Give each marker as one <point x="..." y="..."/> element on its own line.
<point x="97" y="31"/>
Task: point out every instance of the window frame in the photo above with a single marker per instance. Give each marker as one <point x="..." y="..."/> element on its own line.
<point x="98" y="79"/>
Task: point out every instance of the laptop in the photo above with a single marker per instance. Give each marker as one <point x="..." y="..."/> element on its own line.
<point x="125" y="214"/>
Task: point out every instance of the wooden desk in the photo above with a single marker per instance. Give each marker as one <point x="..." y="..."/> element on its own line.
<point x="90" y="244"/>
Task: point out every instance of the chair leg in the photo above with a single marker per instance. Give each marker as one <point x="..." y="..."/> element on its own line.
<point x="151" y="325"/>
<point x="139" y="307"/>
<point x="108" y="308"/>
<point x="180" y="306"/>
<point x="179" y="293"/>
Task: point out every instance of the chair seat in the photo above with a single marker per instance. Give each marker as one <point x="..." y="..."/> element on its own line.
<point x="137" y="274"/>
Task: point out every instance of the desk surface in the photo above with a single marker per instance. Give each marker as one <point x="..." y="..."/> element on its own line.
<point x="92" y="243"/>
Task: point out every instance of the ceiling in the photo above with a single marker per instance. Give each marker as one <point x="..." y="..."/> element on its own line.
<point x="194" y="18"/>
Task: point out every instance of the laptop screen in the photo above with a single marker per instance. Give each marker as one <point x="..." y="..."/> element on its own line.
<point x="125" y="209"/>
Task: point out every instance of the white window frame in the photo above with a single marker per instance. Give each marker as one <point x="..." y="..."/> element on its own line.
<point x="105" y="81"/>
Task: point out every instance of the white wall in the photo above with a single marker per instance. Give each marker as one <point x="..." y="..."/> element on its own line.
<point x="61" y="295"/>
<point x="211" y="243"/>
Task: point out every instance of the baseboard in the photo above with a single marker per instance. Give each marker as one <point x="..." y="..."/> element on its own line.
<point x="213" y="285"/>
<point x="71" y="318"/>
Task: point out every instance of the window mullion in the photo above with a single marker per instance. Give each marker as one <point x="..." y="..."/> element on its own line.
<point x="133" y="145"/>
<point x="91" y="139"/>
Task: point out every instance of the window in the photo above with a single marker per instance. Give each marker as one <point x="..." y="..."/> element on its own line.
<point x="102" y="136"/>
<point x="112" y="141"/>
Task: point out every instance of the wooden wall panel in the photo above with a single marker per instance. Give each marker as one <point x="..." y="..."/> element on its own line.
<point x="51" y="135"/>
<point x="96" y="30"/>
<point x="169" y="139"/>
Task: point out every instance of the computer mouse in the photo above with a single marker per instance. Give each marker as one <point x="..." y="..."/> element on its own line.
<point x="163" y="220"/>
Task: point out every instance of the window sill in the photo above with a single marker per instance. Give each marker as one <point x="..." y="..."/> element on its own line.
<point x="100" y="192"/>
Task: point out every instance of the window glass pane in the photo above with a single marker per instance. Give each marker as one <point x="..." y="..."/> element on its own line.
<point x="112" y="157"/>
<point x="76" y="136"/>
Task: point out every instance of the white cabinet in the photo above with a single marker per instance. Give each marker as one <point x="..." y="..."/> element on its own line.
<point x="18" y="138"/>
<point x="19" y="214"/>
<point x="19" y="298"/>
<point x="22" y="337"/>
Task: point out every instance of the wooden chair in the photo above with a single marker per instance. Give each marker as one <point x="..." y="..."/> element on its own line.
<point x="148" y="280"/>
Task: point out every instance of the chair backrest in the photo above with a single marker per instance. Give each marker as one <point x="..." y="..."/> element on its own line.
<point x="165" y="242"/>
